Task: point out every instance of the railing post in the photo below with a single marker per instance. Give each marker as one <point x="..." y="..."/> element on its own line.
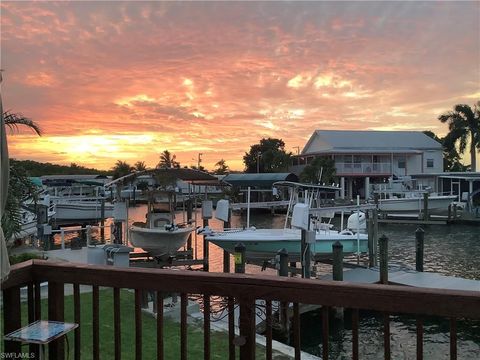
<point x="247" y="329"/>
<point x="337" y="249"/>
<point x="56" y="348"/>
<point x="239" y="257"/>
<point x="383" y="247"/>
<point x="11" y="319"/>
<point x="419" y="249"/>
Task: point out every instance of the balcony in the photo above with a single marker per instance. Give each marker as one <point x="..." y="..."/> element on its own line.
<point x="363" y="168"/>
<point x="237" y="290"/>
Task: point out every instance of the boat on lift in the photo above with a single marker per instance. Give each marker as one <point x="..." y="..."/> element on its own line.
<point x="264" y="244"/>
<point x="160" y="235"/>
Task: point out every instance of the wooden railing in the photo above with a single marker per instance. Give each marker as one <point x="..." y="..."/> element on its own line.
<point x="241" y="289"/>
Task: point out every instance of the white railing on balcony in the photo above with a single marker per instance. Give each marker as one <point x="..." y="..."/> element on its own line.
<point x="363" y="168"/>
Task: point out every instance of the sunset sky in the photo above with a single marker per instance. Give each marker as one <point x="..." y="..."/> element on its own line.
<point x="111" y="81"/>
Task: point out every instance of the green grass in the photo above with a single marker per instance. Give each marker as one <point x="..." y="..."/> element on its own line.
<point x="219" y="340"/>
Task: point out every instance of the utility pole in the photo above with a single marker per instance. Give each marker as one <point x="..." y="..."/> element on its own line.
<point x="259" y="154"/>
<point x="298" y="153"/>
<point x="199" y="160"/>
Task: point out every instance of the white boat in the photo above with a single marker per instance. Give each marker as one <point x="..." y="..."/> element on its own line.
<point x="79" y="208"/>
<point x="401" y="196"/>
<point x="160" y="236"/>
<point x="265" y="243"/>
<point x="29" y="222"/>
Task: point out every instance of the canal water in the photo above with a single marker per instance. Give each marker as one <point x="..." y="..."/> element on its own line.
<point x="450" y="250"/>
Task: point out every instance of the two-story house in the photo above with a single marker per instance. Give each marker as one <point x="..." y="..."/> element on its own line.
<point x="365" y="157"/>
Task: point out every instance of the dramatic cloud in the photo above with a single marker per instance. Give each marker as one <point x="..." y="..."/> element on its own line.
<point x="127" y="80"/>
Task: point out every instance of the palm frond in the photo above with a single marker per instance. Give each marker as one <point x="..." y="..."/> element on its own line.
<point x="14" y="120"/>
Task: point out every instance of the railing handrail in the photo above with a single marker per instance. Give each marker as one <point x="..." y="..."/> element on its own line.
<point x="391" y="298"/>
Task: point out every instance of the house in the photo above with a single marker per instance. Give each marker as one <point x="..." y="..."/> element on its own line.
<point x="365" y="157"/>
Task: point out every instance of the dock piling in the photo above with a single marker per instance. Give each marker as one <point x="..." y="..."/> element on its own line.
<point x="226" y="254"/>
<point x="383" y="249"/>
<point x="282" y="262"/>
<point x="337" y="249"/>
<point x="375" y="236"/>
<point x="425" y="207"/>
<point x="305" y="252"/>
<point x="371" y="252"/>
<point x="419" y="249"/>
<point x="102" y="220"/>
<point x="239" y="256"/>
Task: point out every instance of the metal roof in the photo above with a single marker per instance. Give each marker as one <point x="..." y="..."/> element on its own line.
<point x="265" y="180"/>
<point x="373" y="141"/>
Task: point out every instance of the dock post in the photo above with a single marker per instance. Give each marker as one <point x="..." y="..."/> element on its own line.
<point x="371" y="252"/>
<point x="383" y="248"/>
<point x="112" y="233"/>
<point x="226" y="254"/>
<point x="419" y="242"/>
<point x="449" y="212"/>
<point x="102" y="220"/>
<point x="118" y="232"/>
<point x="88" y="232"/>
<point x="239" y="256"/>
<point x="375" y="236"/>
<point x="454" y="211"/>
<point x="283" y="262"/>
<point x="205" y="247"/>
<point x="305" y="252"/>
<point x="337" y="249"/>
<point x="62" y="238"/>
<point x="189" y="220"/>
<point x="425" y="206"/>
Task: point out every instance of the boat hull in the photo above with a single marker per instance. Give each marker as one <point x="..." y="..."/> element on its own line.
<point x="435" y="204"/>
<point x="265" y="243"/>
<point x="157" y="241"/>
<point x="81" y="211"/>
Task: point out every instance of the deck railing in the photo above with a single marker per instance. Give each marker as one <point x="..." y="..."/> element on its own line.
<point x="363" y="168"/>
<point x="239" y="289"/>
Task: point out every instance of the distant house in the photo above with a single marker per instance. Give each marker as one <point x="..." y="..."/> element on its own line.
<point x="364" y="157"/>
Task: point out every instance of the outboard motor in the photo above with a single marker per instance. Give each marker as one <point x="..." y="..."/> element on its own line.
<point x="357" y="221"/>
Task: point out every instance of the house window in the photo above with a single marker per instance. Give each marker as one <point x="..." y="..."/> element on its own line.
<point x="401" y="164"/>
<point x="430" y="163"/>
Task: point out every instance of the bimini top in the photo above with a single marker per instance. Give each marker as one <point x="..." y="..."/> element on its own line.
<point x="262" y="180"/>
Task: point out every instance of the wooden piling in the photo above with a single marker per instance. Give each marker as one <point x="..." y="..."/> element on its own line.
<point x="419" y="249"/>
<point x="371" y="253"/>
<point x="283" y="262"/>
<point x="226" y="254"/>
<point x="239" y="258"/>
<point x="305" y="253"/>
<point x="337" y="249"/>
<point x="102" y="220"/>
<point x="425" y="206"/>
<point x="383" y="252"/>
<point x="375" y="237"/>
<point x="205" y="248"/>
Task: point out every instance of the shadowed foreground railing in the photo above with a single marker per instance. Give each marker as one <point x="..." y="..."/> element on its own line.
<point x="241" y="289"/>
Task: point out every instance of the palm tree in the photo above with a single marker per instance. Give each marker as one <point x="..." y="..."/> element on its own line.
<point x="121" y="168"/>
<point x="222" y="167"/>
<point x="167" y="160"/>
<point x="14" y="120"/>
<point x="464" y="127"/>
<point x="20" y="187"/>
<point x="140" y="166"/>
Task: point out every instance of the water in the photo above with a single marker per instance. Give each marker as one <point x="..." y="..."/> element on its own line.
<point x="449" y="250"/>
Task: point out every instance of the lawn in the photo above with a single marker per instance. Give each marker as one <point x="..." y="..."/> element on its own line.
<point x="219" y="340"/>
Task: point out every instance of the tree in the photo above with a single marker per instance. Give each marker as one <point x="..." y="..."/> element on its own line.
<point x="14" y="120"/>
<point x="121" y="168"/>
<point x="221" y="168"/>
<point x="320" y="170"/>
<point x="140" y="166"/>
<point x="464" y="126"/>
<point x="268" y="156"/>
<point x="20" y="188"/>
<point x="167" y="160"/>
<point x="451" y="157"/>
